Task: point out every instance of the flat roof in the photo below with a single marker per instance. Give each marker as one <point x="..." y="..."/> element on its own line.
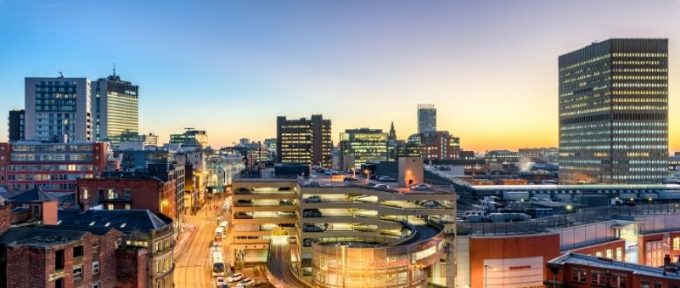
<point x="578" y="187"/>
<point x="598" y="262"/>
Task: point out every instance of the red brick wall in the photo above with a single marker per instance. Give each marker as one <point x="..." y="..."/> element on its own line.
<point x="131" y="271"/>
<point x="547" y="246"/>
<point x="5" y="217"/>
<point x="26" y="267"/>
<point x="145" y="193"/>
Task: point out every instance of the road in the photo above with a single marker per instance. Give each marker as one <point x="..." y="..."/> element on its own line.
<point x="279" y="267"/>
<point x="192" y="264"/>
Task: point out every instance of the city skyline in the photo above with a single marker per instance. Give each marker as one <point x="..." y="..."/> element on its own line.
<point x="335" y="58"/>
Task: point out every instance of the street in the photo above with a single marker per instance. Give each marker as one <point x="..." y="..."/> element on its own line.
<point x="192" y="264"/>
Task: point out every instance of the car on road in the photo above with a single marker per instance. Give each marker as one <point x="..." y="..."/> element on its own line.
<point x="244" y="202"/>
<point x="386" y="179"/>
<point x="383" y="187"/>
<point x="350" y="179"/>
<point x="219" y="282"/>
<point x="245" y="283"/>
<point x="235" y="277"/>
<point x="311" y="213"/>
<point x="421" y="187"/>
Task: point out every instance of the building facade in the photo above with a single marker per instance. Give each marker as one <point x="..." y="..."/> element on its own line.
<point x="58" y="109"/>
<point x="436" y="145"/>
<point x="427" y="118"/>
<point x="191" y="137"/>
<point x="54" y="167"/>
<point x="359" y="146"/>
<point x="16" y="125"/>
<point x="304" y="141"/>
<point x="115" y="108"/>
<point x="613" y="112"/>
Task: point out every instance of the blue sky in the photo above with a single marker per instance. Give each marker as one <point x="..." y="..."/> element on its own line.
<point x="231" y="67"/>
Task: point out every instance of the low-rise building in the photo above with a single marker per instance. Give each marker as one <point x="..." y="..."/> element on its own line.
<point x="147" y="242"/>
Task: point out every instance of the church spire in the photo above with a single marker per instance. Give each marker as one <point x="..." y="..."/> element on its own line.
<point x="393" y="133"/>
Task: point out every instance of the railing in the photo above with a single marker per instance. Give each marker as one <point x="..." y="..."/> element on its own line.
<point x="580" y="217"/>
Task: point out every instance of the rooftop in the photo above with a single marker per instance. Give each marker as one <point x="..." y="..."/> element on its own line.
<point x="598" y="262"/>
<point x="40" y="236"/>
<point x="125" y="221"/>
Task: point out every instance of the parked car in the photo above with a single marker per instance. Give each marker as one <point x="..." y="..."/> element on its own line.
<point x="312" y="228"/>
<point x="313" y="184"/>
<point x="350" y="179"/>
<point x="243" y="215"/>
<point x="311" y="213"/>
<point x="386" y="179"/>
<point x="235" y="277"/>
<point x="285" y="202"/>
<point x="243" y="191"/>
<point x="313" y="199"/>
<point x="285" y="214"/>
<point x="383" y="187"/>
<point x="246" y="283"/>
<point x="421" y="187"/>
<point x="430" y="204"/>
<point x="244" y="202"/>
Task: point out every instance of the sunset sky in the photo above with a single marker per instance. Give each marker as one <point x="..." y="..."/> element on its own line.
<point x="230" y="67"/>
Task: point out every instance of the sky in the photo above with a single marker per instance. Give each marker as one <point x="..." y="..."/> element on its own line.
<point x="230" y="67"/>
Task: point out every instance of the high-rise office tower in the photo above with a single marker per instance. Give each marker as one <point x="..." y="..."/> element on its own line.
<point x="427" y="118"/>
<point x="58" y="109"/>
<point x="115" y="108"/>
<point x="304" y="141"/>
<point x="613" y="112"/>
<point x="16" y="125"/>
<point x="360" y="146"/>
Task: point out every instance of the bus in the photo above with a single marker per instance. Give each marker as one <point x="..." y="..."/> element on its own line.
<point x="219" y="233"/>
<point x="217" y="264"/>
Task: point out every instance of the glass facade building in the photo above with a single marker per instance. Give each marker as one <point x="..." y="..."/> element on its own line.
<point x="427" y="118"/>
<point x="115" y="109"/>
<point x="58" y="109"/>
<point x="359" y="146"/>
<point x="613" y="112"/>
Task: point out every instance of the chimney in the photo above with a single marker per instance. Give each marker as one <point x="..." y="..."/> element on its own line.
<point x="666" y="260"/>
<point x="5" y="215"/>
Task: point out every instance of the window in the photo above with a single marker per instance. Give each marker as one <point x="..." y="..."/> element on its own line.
<point x="676" y="243"/>
<point x="578" y="275"/>
<point x="95" y="247"/>
<point x="95" y="268"/>
<point x="95" y="285"/>
<point x="609" y="254"/>
<point x="77" y="251"/>
<point x="59" y="260"/>
<point x="598" y="278"/>
<point x="109" y="207"/>
<point x="618" y="281"/>
<point x="78" y="272"/>
<point x="619" y="253"/>
<point x="59" y="283"/>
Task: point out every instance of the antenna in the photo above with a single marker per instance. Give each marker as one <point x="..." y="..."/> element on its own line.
<point x="114" y="69"/>
<point x="61" y="75"/>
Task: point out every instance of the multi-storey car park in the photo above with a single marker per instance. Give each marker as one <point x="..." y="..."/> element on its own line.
<point x="343" y="232"/>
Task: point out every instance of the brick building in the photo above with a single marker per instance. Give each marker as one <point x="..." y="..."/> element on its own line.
<point x="578" y="270"/>
<point x="121" y="190"/>
<point x="147" y="241"/>
<point x="52" y="256"/>
<point x="54" y="167"/>
<point x="436" y="145"/>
